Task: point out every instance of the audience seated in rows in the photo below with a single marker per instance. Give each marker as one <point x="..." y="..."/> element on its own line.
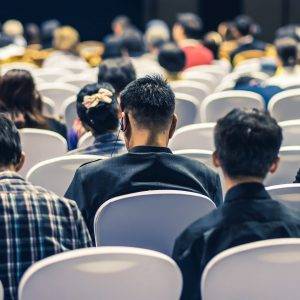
<point x="35" y="223"/>
<point x="247" y="147"/>
<point x="99" y="112"/>
<point x="187" y="33"/>
<point x="148" y="122"/>
<point x="19" y="97"/>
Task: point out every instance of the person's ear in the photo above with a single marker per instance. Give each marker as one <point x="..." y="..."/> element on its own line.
<point x="274" y="166"/>
<point x="216" y="160"/>
<point x="20" y="164"/>
<point x="124" y="121"/>
<point x="173" y="126"/>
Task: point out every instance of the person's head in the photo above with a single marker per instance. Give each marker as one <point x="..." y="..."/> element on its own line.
<point x="66" y="38"/>
<point x="119" y="24"/>
<point x="47" y="31"/>
<point x="32" y="33"/>
<point x="187" y="26"/>
<point x="213" y="40"/>
<point x="119" y="72"/>
<point x="157" y="33"/>
<point x="12" y="157"/>
<point x="287" y="52"/>
<point x="98" y="108"/>
<point x="243" y="25"/>
<point x="112" y="48"/>
<point x="172" y="58"/>
<point x="148" y="118"/>
<point x="132" y="42"/>
<point x="247" y="145"/>
<point x="13" y="28"/>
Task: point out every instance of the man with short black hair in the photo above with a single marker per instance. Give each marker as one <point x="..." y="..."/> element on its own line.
<point x="187" y="33"/>
<point x="34" y="223"/>
<point x="148" y="122"/>
<point x="247" y="147"/>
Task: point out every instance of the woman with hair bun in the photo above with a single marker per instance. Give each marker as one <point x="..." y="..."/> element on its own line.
<point x="99" y="112"/>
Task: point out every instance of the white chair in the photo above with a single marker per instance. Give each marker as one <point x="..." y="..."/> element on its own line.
<point x="60" y="170"/>
<point x="1" y="291"/>
<point x="69" y="111"/>
<point x="86" y="140"/>
<point x="217" y="71"/>
<point x="288" y="194"/>
<point x="50" y="74"/>
<point x="204" y="156"/>
<point x="40" y="145"/>
<point x="17" y="65"/>
<point x="219" y="104"/>
<point x="105" y="273"/>
<point x="192" y="88"/>
<point x="224" y="64"/>
<point x="186" y="108"/>
<point x="262" y="270"/>
<point x="78" y="80"/>
<point x="197" y="136"/>
<point x="58" y="92"/>
<point x="48" y="106"/>
<point x="151" y="219"/>
<point x="285" y="105"/>
<point x="291" y="132"/>
<point x="288" y="166"/>
<point x="205" y="78"/>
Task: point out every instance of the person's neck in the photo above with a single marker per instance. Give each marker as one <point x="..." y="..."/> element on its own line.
<point x="232" y="182"/>
<point x="146" y="138"/>
<point x="10" y="168"/>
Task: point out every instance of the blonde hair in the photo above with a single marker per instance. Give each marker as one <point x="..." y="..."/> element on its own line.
<point x="13" y="28"/>
<point x="66" y="38"/>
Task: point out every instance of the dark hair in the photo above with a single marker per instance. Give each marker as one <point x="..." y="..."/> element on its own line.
<point x="19" y="96"/>
<point x="244" y="25"/>
<point x="123" y="20"/>
<point x="119" y="72"/>
<point x="191" y="23"/>
<point x="132" y="41"/>
<point x="287" y="51"/>
<point x="247" y="143"/>
<point x="104" y="116"/>
<point x="47" y="31"/>
<point x="10" y="144"/>
<point x="112" y="48"/>
<point x="150" y="101"/>
<point x="32" y="34"/>
<point x="171" y="57"/>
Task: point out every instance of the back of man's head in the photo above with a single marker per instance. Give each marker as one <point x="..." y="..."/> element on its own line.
<point x="244" y="25"/>
<point x="191" y="23"/>
<point x="10" y="145"/>
<point x="150" y="101"/>
<point x="247" y="143"/>
<point x="132" y="42"/>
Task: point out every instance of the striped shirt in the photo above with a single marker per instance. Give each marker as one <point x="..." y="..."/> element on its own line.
<point x="34" y="224"/>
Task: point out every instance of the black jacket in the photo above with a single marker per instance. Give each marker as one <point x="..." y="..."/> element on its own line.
<point x="247" y="215"/>
<point x="143" y="168"/>
<point x="297" y="179"/>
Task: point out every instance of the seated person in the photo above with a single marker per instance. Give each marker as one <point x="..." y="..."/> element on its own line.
<point x="35" y="223"/>
<point x="148" y="122"/>
<point x="187" y="33"/>
<point x="99" y="112"/>
<point x="247" y="146"/>
<point x="172" y="59"/>
<point x="19" y="97"/>
<point x="212" y="41"/>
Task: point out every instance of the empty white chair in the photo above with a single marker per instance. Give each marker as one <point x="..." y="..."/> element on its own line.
<point x="204" y="156"/>
<point x="151" y="220"/>
<point x="60" y="170"/>
<point x="288" y="166"/>
<point x="192" y="88"/>
<point x="205" y="78"/>
<point x="58" y="92"/>
<point x="285" y="105"/>
<point x="104" y="273"/>
<point x="219" y="104"/>
<point x="197" y="136"/>
<point x="291" y="132"/>
<point x="69" y="111"/>
<point x="288" y="194"/>
<point x="48" y="106"/>
<point x="50" y="74"/>
<point x="40" y="145"/>
<point x="86" y="140"/>
<point x="186" y="108"/>
<point x="262" y="270"/>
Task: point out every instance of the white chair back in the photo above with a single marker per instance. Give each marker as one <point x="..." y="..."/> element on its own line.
<point x="17" y="65"/>
<point x="288" y="194"/>
<point x="217" y="71"/>
<point x="285" y="105"/>
<point x="48" y="106"/>
<point x="69" y="111"/>
<point x="58" y="92"/>
<point x="219" y="104"/>
<point x="78" y="80"/>
<point x="1" y="291"/>
<point x="288" y="166"/>
<point x="86" y="140"/>
<point x="204" y="156"/>
<point x="60" y="170"/>
<point x="40" y="145"/>
<point x="261" y="270"/>
<point x="197" y="136"/>
<point x="103" y="273"/>
<point x="205" y="78"/>
<point x="186" y="108"/>
<point x="50" y="74"/>
<point x="151" y="219"/>
<point x="291" y="133"/>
